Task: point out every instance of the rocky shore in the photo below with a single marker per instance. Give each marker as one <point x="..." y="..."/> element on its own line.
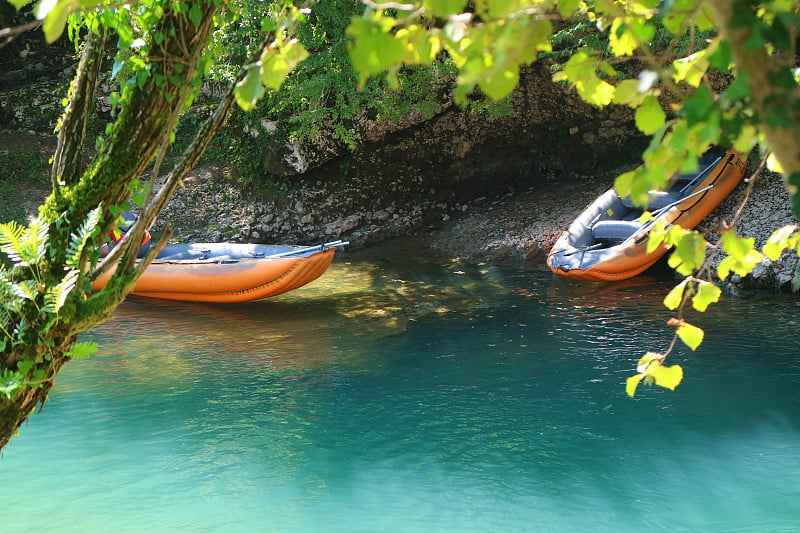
<point x="517" y="228"/>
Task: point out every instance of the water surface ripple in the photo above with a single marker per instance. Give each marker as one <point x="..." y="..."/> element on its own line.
<point x="418" y="396"/>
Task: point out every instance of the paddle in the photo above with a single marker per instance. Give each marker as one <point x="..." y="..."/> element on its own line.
<point x="658" y="212"/>
<point x="306" y="249"/>
<point x="694" y="180"/>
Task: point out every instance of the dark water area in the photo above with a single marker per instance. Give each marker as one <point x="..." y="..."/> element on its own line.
<point x="407" y="392"/>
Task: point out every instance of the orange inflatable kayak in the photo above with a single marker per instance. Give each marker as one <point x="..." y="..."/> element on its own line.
<point x="608" y="243"/>
<point x="229" y="272"/>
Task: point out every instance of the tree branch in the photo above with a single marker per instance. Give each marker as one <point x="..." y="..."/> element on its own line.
<point x="67" y="160"/>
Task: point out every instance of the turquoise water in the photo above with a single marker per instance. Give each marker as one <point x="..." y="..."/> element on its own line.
<point x="417" y="394"/>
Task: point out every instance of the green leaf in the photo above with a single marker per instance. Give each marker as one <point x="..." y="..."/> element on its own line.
<point x="55" y="15"/>
<point x="195" y="14"/>
<point x="623" y="183"/>
<point x="649" y="116"/>
<point x="501" y="8"/>
<point x="580" y="71"/>
<point x="707" y="293"/>
<point x="698" y="107"/>
<point x="19" y="4"/>
<point x="373" y="50"/>
<point x="596" y="91"/>
<point x="277" y="63"/>
<point x="568" y="7"/>
<point x="722" y="56"/>
<point x="738" y="90"/>
<point x="249" y="90"/>
<point x="692" y="336"/>
<point x="674" y="298"/>
<point x="421" y="48"/>
<point x="500" y="84"/>
<point x="657" y="236"/>
<point x="11" y="242"/>
<point x="80" y="350"/>
<point x="689" y="253"/>
<point x="627" y="92"/>
<point x="443" y="8"/>
<point x="56" y="296"/>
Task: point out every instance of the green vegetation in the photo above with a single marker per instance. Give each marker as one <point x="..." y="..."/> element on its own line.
<point x="28" y="168"/>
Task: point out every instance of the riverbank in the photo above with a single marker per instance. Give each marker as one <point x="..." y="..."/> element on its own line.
<point x="516" y="227"/>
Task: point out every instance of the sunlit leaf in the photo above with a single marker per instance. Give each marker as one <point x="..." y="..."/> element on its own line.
<point x="277" y="63"/>
<point x="689" y="253"/>
<point x="707" y="294"/>
<point x="580" y="70"/>
<point x="55" y="18"/>
<point x="773" y="164"/>
<point x="622" y="41"/>
<point x="742" y="257"/>
<point x="632" y="383"/>
<point x="674" y="298"/>
<point x="692" y="336"/>
<point x="667" y="376"/>
<point x="656" y="236"/>
<point x="780" y="240"/>
<point x="627" y="92"/>
<point x="691" y="69"/>
<point x="420" y="47"/>
<point x="746" y="138"/>
<point x="645" y="361"/>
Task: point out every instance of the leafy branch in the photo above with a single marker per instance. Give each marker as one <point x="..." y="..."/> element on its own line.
<point x="698" y="287"/>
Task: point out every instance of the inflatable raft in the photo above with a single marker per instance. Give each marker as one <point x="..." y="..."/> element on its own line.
<point x="229" y="272"/>
<point x="607" y="242"/>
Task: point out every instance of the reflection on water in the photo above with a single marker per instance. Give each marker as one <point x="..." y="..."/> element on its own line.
<point x="414" y="393"/>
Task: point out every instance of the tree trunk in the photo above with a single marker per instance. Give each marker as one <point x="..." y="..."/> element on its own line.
<point x="768" y="98"/>
<point x="144" y="125"/>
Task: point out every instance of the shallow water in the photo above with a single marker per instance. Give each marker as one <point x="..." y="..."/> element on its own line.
<point x="417" y="394"/>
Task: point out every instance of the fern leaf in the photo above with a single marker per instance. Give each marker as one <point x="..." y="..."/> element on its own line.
<point x="26" y="289"/>
<point x="6" y="319"/>
<point x="11" y="242"/>
<point x="77" y="241"/>
<point x="5" y="283"/>
<point x="83" y="349"/>
<point x="55" y="296"/>
<point x="38" y="233"/>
